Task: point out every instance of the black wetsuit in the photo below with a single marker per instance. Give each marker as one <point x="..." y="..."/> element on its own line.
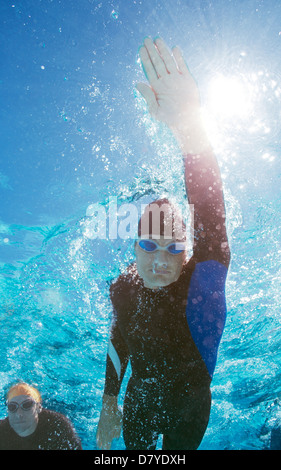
<point x="54" y="432"/>
<point x="171" y="335"/>
<point x="275" y="437"/>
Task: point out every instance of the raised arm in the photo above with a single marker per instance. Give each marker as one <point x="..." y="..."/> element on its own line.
<point x="173" y="98"/>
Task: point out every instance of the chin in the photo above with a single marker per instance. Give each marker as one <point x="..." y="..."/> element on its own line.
<point x="159" y="281"/>
<point x="19" y="429"/>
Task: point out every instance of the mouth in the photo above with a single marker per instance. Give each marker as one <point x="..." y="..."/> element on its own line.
<point x="161" y="272"/>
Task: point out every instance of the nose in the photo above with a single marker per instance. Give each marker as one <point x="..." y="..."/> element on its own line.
<point x="161" y="259"/>
<point x="19" y="413"/>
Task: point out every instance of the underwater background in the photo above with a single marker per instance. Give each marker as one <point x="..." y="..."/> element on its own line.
<point x="74" y="132"/>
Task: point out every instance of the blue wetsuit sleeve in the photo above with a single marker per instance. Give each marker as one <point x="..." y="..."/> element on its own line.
<point x="206" y="309"/>
<point x="206" y="305"/>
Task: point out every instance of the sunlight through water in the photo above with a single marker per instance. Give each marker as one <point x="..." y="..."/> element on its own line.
<point x="230" y="97"/>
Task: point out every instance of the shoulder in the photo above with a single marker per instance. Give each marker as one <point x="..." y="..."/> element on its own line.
<point x="54" y="418"/>
<point x="4" y="425"/>
<point x="6" y="434"/>
<point x="210" y="273"/>
<point x="60" y="430"/>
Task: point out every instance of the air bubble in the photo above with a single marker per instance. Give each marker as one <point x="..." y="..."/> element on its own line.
<point x="114" y="14"/>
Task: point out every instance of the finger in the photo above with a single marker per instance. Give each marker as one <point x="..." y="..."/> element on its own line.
<point x="103" y="444"/>
<point x="166" y="55"/>
<point x="147" y="65"/>
<point x="99" y="440"/>
<point x="180" y="61"/>
<point x="155" y="58"/>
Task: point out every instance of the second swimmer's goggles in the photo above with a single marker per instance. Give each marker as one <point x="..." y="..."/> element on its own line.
<point x="151" y="246"/>
<point x="25" y="405"/>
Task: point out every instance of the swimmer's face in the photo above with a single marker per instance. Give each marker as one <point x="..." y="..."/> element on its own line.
<point x="24" y="419"/>
<point x="159" y="268"/>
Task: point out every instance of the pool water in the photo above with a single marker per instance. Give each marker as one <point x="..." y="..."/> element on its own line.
<point x="75" y="132"/>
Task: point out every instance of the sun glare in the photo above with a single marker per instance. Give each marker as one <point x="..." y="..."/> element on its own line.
<point x="229" y="97"/>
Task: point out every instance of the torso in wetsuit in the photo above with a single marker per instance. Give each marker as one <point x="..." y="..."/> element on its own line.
<point x="169" y="334"/>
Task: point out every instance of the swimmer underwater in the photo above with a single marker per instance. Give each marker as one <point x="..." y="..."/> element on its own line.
<point x="169" y="307"/>
<point x="29" y="426"/>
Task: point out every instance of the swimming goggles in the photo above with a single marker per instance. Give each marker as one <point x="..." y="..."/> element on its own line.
<point x="151" y="246"/>
<point x="25" y="405"/>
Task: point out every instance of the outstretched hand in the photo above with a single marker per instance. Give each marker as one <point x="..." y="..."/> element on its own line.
<point x="172" y="95"/>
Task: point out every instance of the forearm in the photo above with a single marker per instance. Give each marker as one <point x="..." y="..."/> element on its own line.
<point x="110" y="403"/>
<point x="205" y="192"/>
<point x="116" y="364"/>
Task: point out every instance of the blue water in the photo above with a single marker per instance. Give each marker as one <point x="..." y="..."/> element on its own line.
<point x="74" y="133"/>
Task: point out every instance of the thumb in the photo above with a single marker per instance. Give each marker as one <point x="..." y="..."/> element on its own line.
<point x="149" y="96"/>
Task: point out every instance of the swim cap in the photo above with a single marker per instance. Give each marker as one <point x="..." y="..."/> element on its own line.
<point x="24" y="389"/>
<point x="162" y="218"/>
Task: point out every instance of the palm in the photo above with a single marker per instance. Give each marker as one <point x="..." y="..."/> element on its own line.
<point x="172" y="93"/>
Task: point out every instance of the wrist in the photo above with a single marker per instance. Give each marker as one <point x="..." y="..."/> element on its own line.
<point x="192" y="141"/>
<point x="109" y="403"/>
<point x="191" y="135"/>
